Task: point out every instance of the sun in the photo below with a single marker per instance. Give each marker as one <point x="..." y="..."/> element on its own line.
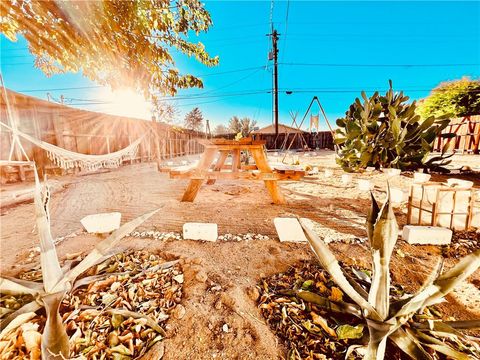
<point x="126" y="102"/>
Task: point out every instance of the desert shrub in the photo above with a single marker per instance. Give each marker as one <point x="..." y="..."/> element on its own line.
<point x="385" y="131"/>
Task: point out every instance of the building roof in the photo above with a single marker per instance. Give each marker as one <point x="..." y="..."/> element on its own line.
<point x="282" y="129"/>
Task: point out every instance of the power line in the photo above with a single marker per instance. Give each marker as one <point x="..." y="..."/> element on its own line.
<point x="375" y="65"/>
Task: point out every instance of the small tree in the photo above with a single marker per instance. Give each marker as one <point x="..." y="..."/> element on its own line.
<point x="244" y="126"/>
<point x="220" y="129"/>
<point x="457" y="98"/>
<point x="194" y="120"/>
<point x="164" y="112"/>
<point x="385" y="131"/>
<point x="234" y="125"/>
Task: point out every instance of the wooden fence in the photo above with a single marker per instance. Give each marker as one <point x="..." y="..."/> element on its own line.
<point x="467" y="135"/>
<point x="87" y="132"/>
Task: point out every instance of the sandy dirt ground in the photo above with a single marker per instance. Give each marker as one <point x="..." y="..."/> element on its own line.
<point x="220" y="277"/>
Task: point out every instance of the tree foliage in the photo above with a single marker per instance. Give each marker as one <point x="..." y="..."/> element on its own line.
<point x="117" y="43"/>
<point x="244" y="126"/>
<point x="457" y="98"/>
<point x="194" y="119"/>
<point x="163" y="111"/>
<point x="385" y="131"/>
<point x="220" y="129"/>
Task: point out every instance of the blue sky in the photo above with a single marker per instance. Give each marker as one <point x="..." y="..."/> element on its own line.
<point x="328" y="49"/>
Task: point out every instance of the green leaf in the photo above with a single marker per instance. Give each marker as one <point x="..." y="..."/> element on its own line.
<point x="349" y="332"/>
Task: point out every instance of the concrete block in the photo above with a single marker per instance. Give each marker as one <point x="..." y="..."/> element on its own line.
<point x="392" y="172"/>
<point x="365" y="185"/>
<point x="328" y="173"/>
<point x="397" y="195"/>
<point x="460" y="183"/>
<point x="426" y="235"/>
<point x="346" y="179"/>
<point x="200" y="231"/>
<point x="101" y="223"/>
<point x="420" y="178"/>
<point x="289" y="229"/>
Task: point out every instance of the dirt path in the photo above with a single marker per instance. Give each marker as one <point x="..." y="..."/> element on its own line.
<point x="220" y="277"/>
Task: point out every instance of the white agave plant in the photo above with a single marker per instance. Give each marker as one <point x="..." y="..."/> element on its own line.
<point x="387" y="320"/>
<point x="56" y="282"/>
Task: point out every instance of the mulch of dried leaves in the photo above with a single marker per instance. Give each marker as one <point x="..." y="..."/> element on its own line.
<point x="463" y="243"/>
<point x="116" y="310"/>
<point x="307" y="330"/>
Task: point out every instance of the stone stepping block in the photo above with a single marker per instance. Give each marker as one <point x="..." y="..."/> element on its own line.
<point x="289" y="229"/>
<point x="200" y="231"/>
<point x="426" y="235"/>
<point x="102" y="222"/>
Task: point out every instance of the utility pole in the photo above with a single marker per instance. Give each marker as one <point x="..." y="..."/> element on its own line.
<point x="274" y="56"/>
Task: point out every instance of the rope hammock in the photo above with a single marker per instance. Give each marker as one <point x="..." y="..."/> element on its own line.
<point x="67" y="159"/>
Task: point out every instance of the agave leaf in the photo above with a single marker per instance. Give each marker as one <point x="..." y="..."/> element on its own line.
<point x="385" y="233"/>
<point x="440" y="346"/>
<point x="340" y="306"/>
<point x="54" y="338"/>
<point x="372" y="216"/>
<point x="410" y="345"/>
<point x="19" y="320"/>
<point x="102" y="250"/>
<point x="51" y="271"/>
<point x="442" y="285"/>
<point x="329" y="263"/>
<point x="31" y="307"/>
<point x="14" y="286"/>
<point x="150" y="322"/>
<point x="379" y="332"/>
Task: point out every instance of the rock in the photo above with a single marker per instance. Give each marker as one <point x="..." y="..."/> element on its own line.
<point x="289" y="229"/>
<point x="200" y="231"/>
<point x="179" y="311"/>
<point x="101" y="223"/>
<point x="426" y="235"/>
<point x="178" y="278"/>
<point x="253" y="293"/>
<point x="218" y="304"/>
<point x="225" y="328"/>
<point x="201" y="276"/>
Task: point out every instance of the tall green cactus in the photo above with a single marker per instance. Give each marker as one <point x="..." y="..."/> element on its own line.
<point x="385" y="131"/>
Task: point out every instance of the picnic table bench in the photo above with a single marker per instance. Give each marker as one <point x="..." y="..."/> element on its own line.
<point x="208" y="170"/>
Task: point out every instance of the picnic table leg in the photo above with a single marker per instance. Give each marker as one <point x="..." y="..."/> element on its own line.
<point x="236" y="160"/>
<point x="218" y="165"/>
<point x="192" y="189"/>
<point x="271" y="185"/>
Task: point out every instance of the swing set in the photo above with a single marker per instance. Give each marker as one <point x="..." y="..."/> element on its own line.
<point x="314" y="124"/>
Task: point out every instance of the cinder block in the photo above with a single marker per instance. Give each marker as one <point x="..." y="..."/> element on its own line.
<point x="289" y="229"/>
<point x="102" y="223"/>
<point x="426" y="235"/>
<point x="200" y="231"/>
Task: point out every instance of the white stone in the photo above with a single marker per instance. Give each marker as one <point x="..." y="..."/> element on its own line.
<point x="328" y="173"/>
<point x="200" y="231"/>
<point x="346" y="179"/>
<point x="102" y="223"/>
<point x="289" y="229"/>
<point x="397" y="195"/>
<point x="420" y="178"/>
<point x="465" y="184"/>
<point x="184" y="162"/>
<point x="365" y="185"/>
<point x="426" y="235"/>
<point x="370" y="169"/>
<point x="392" y="172"/>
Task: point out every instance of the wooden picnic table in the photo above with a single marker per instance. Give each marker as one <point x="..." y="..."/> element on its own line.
<point x="210" y="171"/>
